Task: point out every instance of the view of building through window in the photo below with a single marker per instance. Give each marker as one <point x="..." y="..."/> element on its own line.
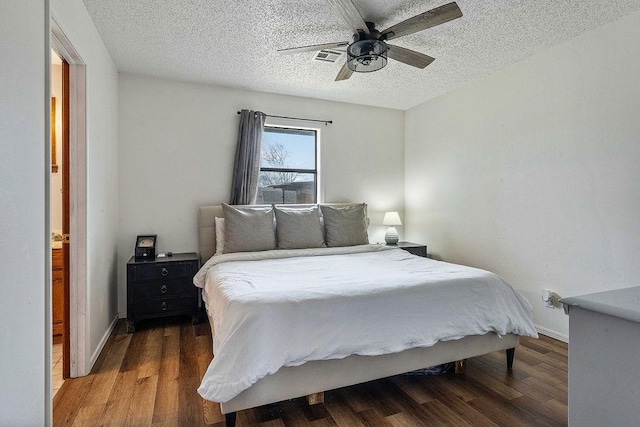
<point x="288" y="167"/>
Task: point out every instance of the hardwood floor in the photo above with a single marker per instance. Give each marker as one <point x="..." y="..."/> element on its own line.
<point x="150" y="379"/>
<point x="56" y="369"/>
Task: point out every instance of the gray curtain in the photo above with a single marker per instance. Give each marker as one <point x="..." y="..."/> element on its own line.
<point x="244" y="188"/>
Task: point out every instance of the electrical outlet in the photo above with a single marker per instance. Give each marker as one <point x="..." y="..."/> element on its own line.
<point x="550" y="298"/>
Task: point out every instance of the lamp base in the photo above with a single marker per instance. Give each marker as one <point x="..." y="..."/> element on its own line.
<point x="391" y="236"/>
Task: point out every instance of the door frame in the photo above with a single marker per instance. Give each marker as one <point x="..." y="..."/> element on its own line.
<point x="77" y="305"/>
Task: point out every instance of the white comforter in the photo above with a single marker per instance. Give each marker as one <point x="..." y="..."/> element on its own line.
<point x="284" y="308"/>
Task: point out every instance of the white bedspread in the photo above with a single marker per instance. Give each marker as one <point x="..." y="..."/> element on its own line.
<point x="283" y="308"/>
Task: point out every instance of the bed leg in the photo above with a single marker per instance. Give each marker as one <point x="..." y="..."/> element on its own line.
<point x="510" y="353"/>
<point x="315" y="398"/>
<point x="460" y="366"/>
<point x="230" y="419"/>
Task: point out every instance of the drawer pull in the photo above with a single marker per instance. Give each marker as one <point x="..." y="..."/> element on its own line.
<point x="165" y="271"/>
<point x="163" y="289"/>
<point x="164" y="306"/>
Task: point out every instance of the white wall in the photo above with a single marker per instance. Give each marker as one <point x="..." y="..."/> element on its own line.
<point x="102" y="170"/>
<point x="177" y="146"/>
<point x="23" y="176"/>
<point x="534" y="172"/>
<point x="25" y="330"/>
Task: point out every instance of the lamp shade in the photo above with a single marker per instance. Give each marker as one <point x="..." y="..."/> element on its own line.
<point x="391" y="218"/>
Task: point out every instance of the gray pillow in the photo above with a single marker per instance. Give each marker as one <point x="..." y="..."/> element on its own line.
<point x="345" y="226"/>
<point x="299" y="228"/>
<point x="248" y="229"/>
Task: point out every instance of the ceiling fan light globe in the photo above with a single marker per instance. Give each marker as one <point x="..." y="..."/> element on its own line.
<point x="365" y="56"/>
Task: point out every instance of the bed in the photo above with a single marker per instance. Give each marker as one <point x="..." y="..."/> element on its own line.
<point x="247" y="299"/>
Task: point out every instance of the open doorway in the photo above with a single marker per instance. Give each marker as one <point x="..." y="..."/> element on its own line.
<point x="71" y="178"/>
<point x="59" y="214"/>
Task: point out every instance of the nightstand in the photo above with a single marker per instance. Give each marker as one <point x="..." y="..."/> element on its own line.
<point x="162" y="287"/>
<point x="414" y="248"/>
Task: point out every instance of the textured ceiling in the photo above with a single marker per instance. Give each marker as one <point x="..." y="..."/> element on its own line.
<point x="233" y="42"/>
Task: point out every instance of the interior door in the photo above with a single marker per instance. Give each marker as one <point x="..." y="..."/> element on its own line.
<point x="66" y="343"/>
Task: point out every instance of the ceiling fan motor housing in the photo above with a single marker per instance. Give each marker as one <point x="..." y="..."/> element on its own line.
<point x="368" y="52"/>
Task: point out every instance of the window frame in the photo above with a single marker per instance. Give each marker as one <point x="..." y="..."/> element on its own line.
<point x="316" y="171"/>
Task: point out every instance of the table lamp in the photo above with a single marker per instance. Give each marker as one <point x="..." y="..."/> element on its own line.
<point x="391" y="219"/>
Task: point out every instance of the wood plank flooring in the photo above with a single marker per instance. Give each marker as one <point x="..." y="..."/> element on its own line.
<point x="150" y="378"/>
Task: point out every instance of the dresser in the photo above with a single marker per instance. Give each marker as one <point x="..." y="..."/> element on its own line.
<point x="604" y="344"/>
<point x="162" y="287"/>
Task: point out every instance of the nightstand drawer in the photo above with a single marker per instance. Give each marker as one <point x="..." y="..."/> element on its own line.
<point x="164" y="288"/>
<point x="168" y="305"/>
<point x="174" y="270"/>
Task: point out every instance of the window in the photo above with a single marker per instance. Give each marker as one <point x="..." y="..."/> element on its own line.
<point x="288" y="166"/>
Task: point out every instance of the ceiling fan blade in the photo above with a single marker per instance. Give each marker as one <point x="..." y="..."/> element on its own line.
<point x="344" y="73"/>
<point x="425" y="20"/>
<point x="349" y="14"/>
<point x="408" y="56"/>
<point x="314" y="47"/>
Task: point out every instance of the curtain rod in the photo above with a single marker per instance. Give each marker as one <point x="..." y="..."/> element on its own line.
<point x="326" y="122"/>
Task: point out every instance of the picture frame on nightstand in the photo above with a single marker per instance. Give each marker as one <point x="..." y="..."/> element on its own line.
<point x="145" y="247"/>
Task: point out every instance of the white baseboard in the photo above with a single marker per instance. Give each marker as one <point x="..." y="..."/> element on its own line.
<point x="103" y="341"/>
<point x="553" y="334"/>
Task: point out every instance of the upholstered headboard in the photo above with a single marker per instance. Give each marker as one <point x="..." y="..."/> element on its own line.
<point x="207" y="231"/>
<point x="207" y="227"/>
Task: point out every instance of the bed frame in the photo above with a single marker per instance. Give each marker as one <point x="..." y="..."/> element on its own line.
<point x="318" y="376"/>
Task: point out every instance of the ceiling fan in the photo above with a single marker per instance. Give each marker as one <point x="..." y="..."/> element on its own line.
<point x="369" y="49"/>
